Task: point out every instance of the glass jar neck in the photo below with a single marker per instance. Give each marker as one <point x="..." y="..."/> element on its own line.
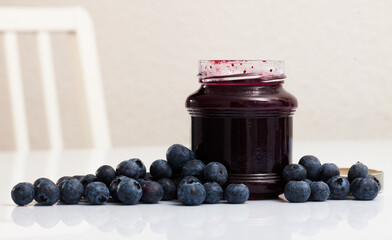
<point x="241" y="90"/>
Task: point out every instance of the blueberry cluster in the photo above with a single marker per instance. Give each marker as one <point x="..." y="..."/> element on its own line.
<point x="181" y="177"/>
<point x="309" y="180"/>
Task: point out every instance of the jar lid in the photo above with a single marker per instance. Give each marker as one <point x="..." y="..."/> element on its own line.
<point x="231" y="70"/>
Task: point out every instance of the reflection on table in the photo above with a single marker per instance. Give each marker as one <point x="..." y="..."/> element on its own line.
<point x="276" y="219"/>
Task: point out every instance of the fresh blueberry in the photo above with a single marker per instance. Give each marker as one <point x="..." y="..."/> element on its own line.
<point x="237" y="193"/>
<point x="177" y="155"/>
<point x="215" y="172"/>
<point x="294" y="172"/>
<point x="39" y="180"/>
<point x="339" y="187"/>
<point x="377" y="181"/>
<point x="328" y="170"/>
<point x="152" y="192"/>
<point x="297" y="191"/>
<point x="214" y="192"/>
<point x="194" y="168"/>
<point x="177" y="178"/>
<point x="319" y="191"/>
<point x="312" y="165"/>
<point x="23" y="193"/>
<point x="148" y="176"/>
<point x="364" y="188"/>
<point x="129" y="191"/>
<point x="160" y="169"/>
<point x="133" y="168"/>
<point x="141" y="168"/>
<point x="308" y="181"/>
<point x="105" y="174"/>
<point x="143" y="181"/>
<point x="187" y="179"/>
<point x="79" y="177"/>
<point x="47" y="193"/>
<point x="358" y="170"/>
<point x="97" y="193"/>
<point x="169" y="188"/>
<point x="191" y="193"/>
<point x="71" y="191"/>
<point x="63" y="178"/>
<point x="89" y="178"/>
<point x="113" y="186"/>
<point x="61" y="184"/>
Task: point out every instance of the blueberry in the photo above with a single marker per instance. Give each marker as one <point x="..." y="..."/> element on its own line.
<point x="177" y="155"/>
<point x="191" y="193"/>
<point x="89" y="178"/>
<point x="194" y="168"/>
<point x="339" y="187"/>
<point x="79" y="177"/>
<point x="177" y="178"/>
<point x="47" y="193"/>
<point x="160" y="169"/>
<point x="187" y="179"/>
<point x="364" y="188"/>
<point x="169" y="188"/>
<point x="297" y="191"/>
<point x="377" y="181"/>
<point x="129" y="191"/>
<point x="328" y="170"/>
<point x="215" y="172"/>
<point x="143" y="181"/>
<point x="214" y="192"/>
<point x="23" y="193"/>
<point x="133" y="168"/>
<point x="237" y="193"/>
<point x="308" y="181"/>
<point x="97" y="193"/>
<point x="319" y="191"/>
<point x="358" y="170"/>
<point x="39" y="180"/>
<point x="105" y="174"/>
<point x="312" y="165"/>
<point x="113" y="186"/>
<point x="152" y="192"/>
<point x="71" y="191"/>
<point x="148" y="176"/>
<point x="61" y="184"/>
<point x="63" y="178"/>
<point x="294" y="172"/>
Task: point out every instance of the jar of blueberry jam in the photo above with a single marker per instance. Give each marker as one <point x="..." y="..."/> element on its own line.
<point x="243" y="117"/>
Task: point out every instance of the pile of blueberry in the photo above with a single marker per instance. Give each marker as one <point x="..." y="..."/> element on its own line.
<point x="309" y="180"/>
<point x="181" y="177"/>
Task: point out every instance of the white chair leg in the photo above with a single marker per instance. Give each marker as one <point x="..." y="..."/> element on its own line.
<point x="50" y="91"/>
<point x="18" y="107"/>
<point x="92" y="80"/>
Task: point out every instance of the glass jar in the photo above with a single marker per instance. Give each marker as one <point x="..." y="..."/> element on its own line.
<point x="243" y="118"/>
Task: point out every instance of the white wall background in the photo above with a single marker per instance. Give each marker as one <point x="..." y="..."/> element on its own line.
<point x="338" y="62"/>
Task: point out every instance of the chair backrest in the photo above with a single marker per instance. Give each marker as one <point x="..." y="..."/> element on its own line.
<point x="42" y="22"/>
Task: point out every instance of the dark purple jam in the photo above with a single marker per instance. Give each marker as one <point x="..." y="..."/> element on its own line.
<point x="242" y="117"/>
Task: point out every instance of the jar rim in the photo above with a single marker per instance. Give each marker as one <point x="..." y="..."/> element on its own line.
<point x="241" y="70"/>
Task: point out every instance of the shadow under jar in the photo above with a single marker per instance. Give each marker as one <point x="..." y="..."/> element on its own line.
<point x="243" y="118"/>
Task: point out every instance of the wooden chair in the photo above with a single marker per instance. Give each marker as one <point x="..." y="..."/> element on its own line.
<point x="42" y="22"/>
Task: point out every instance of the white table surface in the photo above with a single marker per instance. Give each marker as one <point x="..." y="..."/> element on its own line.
<point x="266" y="219"/>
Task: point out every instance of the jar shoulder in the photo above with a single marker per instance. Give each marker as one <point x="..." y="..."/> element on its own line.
<point x="266" y="97"/>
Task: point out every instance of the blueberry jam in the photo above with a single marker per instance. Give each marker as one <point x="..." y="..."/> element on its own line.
<point x="242" y="117"/>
